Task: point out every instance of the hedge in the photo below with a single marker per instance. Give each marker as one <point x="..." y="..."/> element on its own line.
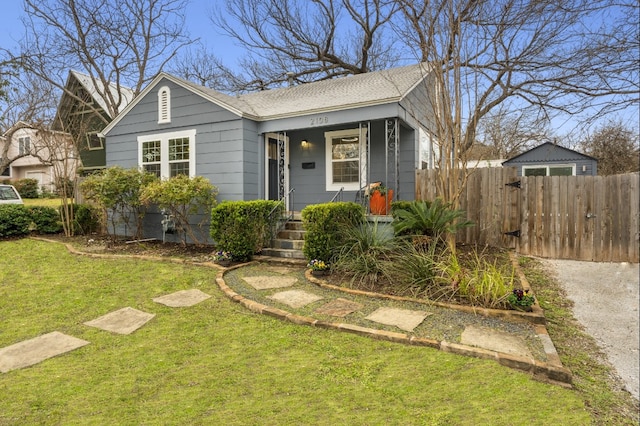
<point x="242" y="227"/>
<point x="324" y="225"/>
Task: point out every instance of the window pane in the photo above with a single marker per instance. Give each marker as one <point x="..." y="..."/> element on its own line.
<point x="178" y="149"/>
<point x="541" y="171"/>
<point x="151" y="152"/>
<point x="179" y="169"/>
<point x="153" y="168"/>
<point x="344" y="148"/>
<point x="561" y="171"/>
<point x="345" y="171"/>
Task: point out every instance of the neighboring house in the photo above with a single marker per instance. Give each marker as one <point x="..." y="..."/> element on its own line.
<point x="549" y="159"/>
<point x="83" y="113"/>
<point x="311" y="140"/>
<point x="43" y="155"/>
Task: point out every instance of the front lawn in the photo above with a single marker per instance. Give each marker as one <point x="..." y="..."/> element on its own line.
<point x="218" y="363"/>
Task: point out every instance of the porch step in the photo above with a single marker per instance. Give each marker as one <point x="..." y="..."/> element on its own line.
<point x="292" y="244"/>
<point x="289" y="241"/>
<point x="294" y="225"/>
<point x="283" y="253"/>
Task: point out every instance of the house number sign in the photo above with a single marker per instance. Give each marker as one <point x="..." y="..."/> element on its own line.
<point x="319" y="120"/>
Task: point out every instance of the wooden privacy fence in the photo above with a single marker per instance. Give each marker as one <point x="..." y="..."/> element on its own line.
<point x="567" y="217"/>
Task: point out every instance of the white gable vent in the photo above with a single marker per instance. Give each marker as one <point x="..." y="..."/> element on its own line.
<point x="164" y="105"/>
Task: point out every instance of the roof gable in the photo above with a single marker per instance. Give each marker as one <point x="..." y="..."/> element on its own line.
<point x="374" y="88"/>
<point x="547" y="152"/>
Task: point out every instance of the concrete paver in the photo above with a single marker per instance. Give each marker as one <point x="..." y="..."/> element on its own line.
<point x="495" y="340"/>
<point x="295" y="298"/>
<point x="38" y="349"/>
<point x="339" y="308"/>
<point x="404" y="319"/>
<point x="267" y="282"/>
<point x="182" y="298"/>
<point x="123" y="321"/>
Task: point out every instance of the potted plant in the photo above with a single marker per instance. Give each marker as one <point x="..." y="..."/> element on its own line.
<point x="379" y="198"/>
<point x="521" y="300"/>
<point x="223" y="258"/>
<point x="318" y="267"/>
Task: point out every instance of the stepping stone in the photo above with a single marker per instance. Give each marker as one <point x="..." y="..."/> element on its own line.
<point x="495" y="340"/>
<point x="123" y="321"/>
<point x="266" y="282"/>
<point x="280" y="269"/>
<point x="182" y="298"/>
<point x="33" y="351"/>
<point x="404" y="319"/>
<point x="295" y="298"/>
<point x="339" y="308"/>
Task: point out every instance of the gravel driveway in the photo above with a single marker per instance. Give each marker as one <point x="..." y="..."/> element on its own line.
<point x="607" y="304"/>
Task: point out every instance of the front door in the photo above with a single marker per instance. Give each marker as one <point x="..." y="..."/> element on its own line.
<point x="277" y="170"/>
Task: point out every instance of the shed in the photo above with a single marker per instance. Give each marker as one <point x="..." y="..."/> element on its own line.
<point x="550" y="159"/>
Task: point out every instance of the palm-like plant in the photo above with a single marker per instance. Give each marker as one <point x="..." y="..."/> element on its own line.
<point x="433" y="219"/>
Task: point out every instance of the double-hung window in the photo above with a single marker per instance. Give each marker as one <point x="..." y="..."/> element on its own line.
<point x="345" y="160"/>
<point x="168" y="154"/>
<point x="24" y="145"/>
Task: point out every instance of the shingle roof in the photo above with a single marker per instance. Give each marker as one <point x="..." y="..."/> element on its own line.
<point x="372" y="88"/>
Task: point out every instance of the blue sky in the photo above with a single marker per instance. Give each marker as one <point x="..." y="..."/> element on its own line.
<point x="197" y="22"/>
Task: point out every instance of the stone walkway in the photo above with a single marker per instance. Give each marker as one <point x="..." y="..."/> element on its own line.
<point x="280" y="291"/>
<point x="123" y="321"/>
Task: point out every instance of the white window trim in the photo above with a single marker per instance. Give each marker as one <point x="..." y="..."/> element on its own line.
<point x="24" y="145"/>
<point x="329" y="136"/>
<point x="547" y="166"/>
<point x="164" y="108"/>
<point x="164" y="150"/>
<point x="100" y="139"/>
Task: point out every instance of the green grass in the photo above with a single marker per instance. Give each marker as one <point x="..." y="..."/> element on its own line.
<point x="44" y="202"/>
<point x="218" y="363"/>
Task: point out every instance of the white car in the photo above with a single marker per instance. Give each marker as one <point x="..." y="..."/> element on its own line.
<point x="9" y="195"/>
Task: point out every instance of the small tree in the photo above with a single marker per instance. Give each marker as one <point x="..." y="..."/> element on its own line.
<point x="117" y="191"/>
<point x="616" y="148"/>
<point x="183" y="197"/>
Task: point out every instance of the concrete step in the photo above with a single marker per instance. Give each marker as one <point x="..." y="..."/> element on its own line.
<point x="283" y="253"/>
<point x="290" y="234"/>
<point x="279" y="243"/>
<point x="294" y="225"/>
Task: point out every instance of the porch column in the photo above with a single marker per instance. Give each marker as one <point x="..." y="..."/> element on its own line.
<point x="392" y="157"/>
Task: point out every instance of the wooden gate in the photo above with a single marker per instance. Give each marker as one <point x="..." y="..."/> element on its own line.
<point x="567" y="217"/>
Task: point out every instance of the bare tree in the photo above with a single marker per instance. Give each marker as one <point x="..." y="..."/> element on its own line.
<point x="541" y="57"/>
<point x="616" y="147"/>
<point x="308" y="40"/>
<point x="117" y="43"/>
<point x="505" y="134"/>
<point x="27" y="103"/>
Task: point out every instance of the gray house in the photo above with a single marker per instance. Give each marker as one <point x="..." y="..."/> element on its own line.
<point x="304" y="144"/>
<point x="549" y="159"/>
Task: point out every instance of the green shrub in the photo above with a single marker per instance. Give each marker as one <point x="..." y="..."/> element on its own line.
<point x="413" y="268"/>
<point x="324" y="225"/>
<point x="118" y="193"/>
<point x="28" y="188"/>
<point x="433" y="219"/>
<point x="86" y="218"/>
<point x="15" y="220"/>
<point x="367" y="248"/>
<point x="241" y="227"/>
<point x="183" y="197"/>
<point x="400" y="205"/>
<point x="45" y="220"/>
